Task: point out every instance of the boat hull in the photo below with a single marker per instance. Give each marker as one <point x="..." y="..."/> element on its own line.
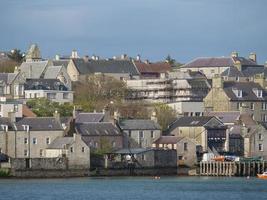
<point x="260" y="176"/>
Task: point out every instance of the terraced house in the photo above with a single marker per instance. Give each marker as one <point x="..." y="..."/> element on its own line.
<point x="237" y="96"/>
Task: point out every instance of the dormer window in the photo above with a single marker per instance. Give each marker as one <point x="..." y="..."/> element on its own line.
<point x="257" y="92"/>
<point x="238" y="93"/>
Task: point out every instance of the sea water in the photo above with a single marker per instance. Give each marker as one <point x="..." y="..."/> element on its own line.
<point x="137" y="188"/>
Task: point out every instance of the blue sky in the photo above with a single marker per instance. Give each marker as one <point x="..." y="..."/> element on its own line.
<point x="185" y="29"/>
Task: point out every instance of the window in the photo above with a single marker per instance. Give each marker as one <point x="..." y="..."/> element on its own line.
<point x="152" y="134"/>
<point x="239" y="93"/>
<point x="65" y="95"/>
<point x="212" y="71"/>
<point x="259" y="93"/>
<point x="264" y="106"/>
<point x="25" y="140"/>
<point x="185" y="146"/>
<point x="41" y="152"/>
<point x="34" y="140"/>
<point x="252" y="106"/>
<point x="238" y="105"/>
<point x="48" y="140"/>
<point x="141" y="134"/>
<point x="0" y="150"/>
<point x="260" y="136"/>
<point x="237" y="78"/>
<point x="83" y="149"/>
<point x="51" y="95"/>
<point x="25" y="152"/>
<point x="16" y="108"/>
<point x="260" y="147"/>
<point x="71" y="149"/>
<point x="130" y="133"/>
<point x="143" y="157"/>
<point x="113" y="144"/>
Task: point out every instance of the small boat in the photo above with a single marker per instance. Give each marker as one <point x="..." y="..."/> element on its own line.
<point x="262" y="176"/>
<point x="219" y="158"/>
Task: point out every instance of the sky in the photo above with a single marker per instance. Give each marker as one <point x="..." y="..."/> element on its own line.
<point x="184" y="29"/>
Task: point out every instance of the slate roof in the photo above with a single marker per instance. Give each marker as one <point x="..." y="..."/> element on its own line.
<point x="168" y="140"/>
<point x="158" y="67"/>
<point x="191" y="121"/>
<point x="7" y="78"/>
<point x="97" y="129"/>
<point x="210" y="62"/>
<point x="232" y="72"/>
<point x="132" y="151"/>
<point x="89" y="117"/>
<point x="39" y="124"/>
<point x="138" y="124"/>
<point x="61" y="63"/>
<point x="60" y="142"/>
<point x="249" y="70"/>
<point x="6" y="121"/>
<point x="218" y="62"/>
<point x="105" y="66"/>
<point x="247" y="91"/>
<point x="37" y="68"/>
<point x="44" y="84"/>
<point x="52" y="72"/>
<point x="225" y="117"/>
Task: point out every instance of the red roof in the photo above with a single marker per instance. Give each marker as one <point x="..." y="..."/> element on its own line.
<point x="158" y="67"/>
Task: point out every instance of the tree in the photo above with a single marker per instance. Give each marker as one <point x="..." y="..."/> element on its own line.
<point x="16" y="55"/>
<point x="165" y="115"/>
<point x="170" y="60"/>
<point x="44" y="108"/>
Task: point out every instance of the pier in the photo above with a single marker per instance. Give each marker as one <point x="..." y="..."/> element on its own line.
<point x="217" y="168"/>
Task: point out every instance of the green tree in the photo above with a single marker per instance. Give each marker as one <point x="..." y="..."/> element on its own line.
<point x="165" y="115"/>
<point x="16" y="55"/>
<point x="44" y="108"/>
<point x="170" y="60"/>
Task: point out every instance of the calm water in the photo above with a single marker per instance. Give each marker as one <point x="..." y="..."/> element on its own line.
<point x="186" y="188"/>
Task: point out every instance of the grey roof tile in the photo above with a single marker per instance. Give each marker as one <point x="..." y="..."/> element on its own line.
<point x="97" y="129"/>
<point x="33" y="69"/>
<point x="138" y="124"/>
<point x="89" y="117"/>
<point x="105" y="66"/>
<point x="60" y="142"/>
<point x="52" y="72"/>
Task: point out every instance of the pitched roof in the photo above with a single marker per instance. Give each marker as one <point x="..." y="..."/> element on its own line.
<point x="232" y="72"/>
<point x="7" y="78"/>
<point x="60" y="142"/>
<point x="158" y="67"/>
<point x="33" y="69"/>
<point x="247" y="91"/>
<point x="27" y="112"/>
<point x="44" y="84"/>
<point x="225" y="117"/>
<point x="210" y="62"/>
<point x="244" y="61"/>
<point x="97" y="129"/>
<point x="138" y="124"/>
<point x="61" y="63"/>
<point x="105" y="66"/>
<point x="52" y="72"/>
<point x="39" y="124"/>
<point x="191" y="121"/>
<point x="6" y="121"/>
<point x="89" y="117"/>
<point x="168" y="140"/>
<point x="251" y="70"/>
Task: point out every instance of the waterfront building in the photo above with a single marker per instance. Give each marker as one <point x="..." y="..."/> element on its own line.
<point x="139" y="133"/>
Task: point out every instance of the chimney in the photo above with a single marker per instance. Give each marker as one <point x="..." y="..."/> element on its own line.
<point x="234" y="54"/>
<point x="74" y="54"/>
<point x="154" y="116"/>
<point x="217" y="81"/>
<point x="123" y="56"/>
<point x="253" y="57"/>
<point x="138" y="57"/>
<point x="86" y="58"/>
<point x="12" y="116"/>
<point x="147" y="61"/>
<point x="57" y="115"/>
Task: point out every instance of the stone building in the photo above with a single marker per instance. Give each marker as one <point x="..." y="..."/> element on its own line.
<point x="100" y="135"/>
<point x="230" y="67"/>
<point x="237" y="96"/>
<point x="52" y="89"/>
<point x="28" y="137"/>
<point x="184" y="146"/>
<point x="79" y="68"/>
<point x="209" y="132"/>
<point x="73" y="148"/>
<point x="139" y="133"/>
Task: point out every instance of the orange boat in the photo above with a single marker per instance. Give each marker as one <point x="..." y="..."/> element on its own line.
<point x="219" y="158"/>
<point x="263" y="175"/>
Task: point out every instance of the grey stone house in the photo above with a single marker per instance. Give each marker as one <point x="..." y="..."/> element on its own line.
<point x="79" y="68"/>
<point x="73" y="148"/>
<point x="28" y="137"/>
<point x="99" y="135"/>
<point x="139" y="132"/>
